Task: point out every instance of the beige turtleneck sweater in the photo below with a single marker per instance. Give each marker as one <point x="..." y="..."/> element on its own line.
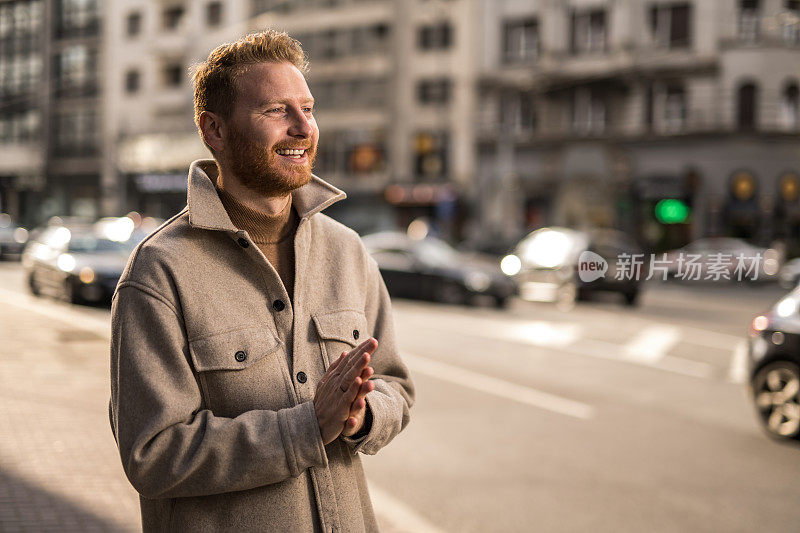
<point x="273" y="234"/>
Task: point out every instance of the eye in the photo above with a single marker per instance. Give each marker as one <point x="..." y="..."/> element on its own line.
<point x="308" y="109"/>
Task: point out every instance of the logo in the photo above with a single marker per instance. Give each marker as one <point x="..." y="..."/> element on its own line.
<point x="591" y="266"/>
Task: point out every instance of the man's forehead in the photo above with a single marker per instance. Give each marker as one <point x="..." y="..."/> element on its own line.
<point x="264" y="82"/>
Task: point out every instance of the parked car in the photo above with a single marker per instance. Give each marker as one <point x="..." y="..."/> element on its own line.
<point x="429" y="268"/>
<point x="79" y="262"/>
<point x="545" y="265"/>
<point x="732" y="258"/>
<point x="774" y="367"/>
<point x="12" y="238"/>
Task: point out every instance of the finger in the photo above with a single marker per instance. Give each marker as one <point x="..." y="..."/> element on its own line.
<point x="367" y="373"/>
<point x="354" y="354"/>
<point x="351" y="423"/>
<point x="350" y="395"/>
<point x="365" y="388"/>
<point x="358" y="406"/>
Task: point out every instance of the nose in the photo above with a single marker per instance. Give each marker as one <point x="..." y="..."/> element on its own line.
<point x="301" y="125"/>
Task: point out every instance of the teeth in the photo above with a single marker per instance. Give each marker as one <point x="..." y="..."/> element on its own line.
<point x="290" y="152"/>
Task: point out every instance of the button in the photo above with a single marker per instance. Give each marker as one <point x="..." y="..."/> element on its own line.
<point x="355" y="334"/>
<point x="278" y="305"/>
<point x="240" y="356"/>
<point x="243" y="242"/>
<point x="301" y="377"/>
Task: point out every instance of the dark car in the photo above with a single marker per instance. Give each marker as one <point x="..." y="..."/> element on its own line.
<point x="79" y="262"/>
<point x="774" y="366"/>
<point x="429" y="268"/>
<point x="12" y="238"/>
<point x="546" y="266"/>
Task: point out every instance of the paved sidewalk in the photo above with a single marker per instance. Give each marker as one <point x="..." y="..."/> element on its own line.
<point x="59" y="468"/>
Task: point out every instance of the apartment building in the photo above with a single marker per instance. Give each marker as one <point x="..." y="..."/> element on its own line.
<point x="593" y="111"/>
<point x="49" y="99"/>
<point x="395" y="102"/>
<point x="149" y="136"/>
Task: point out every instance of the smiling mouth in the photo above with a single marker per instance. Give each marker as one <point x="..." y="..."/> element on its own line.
<point x="292" y="153"/>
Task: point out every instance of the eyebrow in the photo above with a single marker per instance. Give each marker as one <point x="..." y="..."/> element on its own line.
<point x="267" y="103"/>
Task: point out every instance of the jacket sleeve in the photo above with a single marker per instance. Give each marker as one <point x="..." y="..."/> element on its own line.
<point x="390" y="403"/>
<point x="172" y="446"/>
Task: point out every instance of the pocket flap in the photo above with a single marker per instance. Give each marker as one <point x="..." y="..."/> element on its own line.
<point x="348" y="326"/>
<point x="232" y="350"/>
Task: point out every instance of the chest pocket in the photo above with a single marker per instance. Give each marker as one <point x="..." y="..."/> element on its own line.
<point x="340" y="331"/>
<point x="241" y="370"/>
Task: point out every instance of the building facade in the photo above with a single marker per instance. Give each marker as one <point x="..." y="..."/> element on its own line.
<point x="50" y="90"/>
<point x="394" y="85"/>
<point x="149" y="136"/>
<point x="594" y="111"/>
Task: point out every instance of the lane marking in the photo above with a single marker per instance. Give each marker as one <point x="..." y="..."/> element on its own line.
<point x="737" y="373"/>
<point x="397" y="516"/>
<point x="652" y="343"/>
<point x="498" y="387"/>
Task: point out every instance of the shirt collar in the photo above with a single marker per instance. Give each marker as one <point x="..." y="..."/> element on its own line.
<point x="206" y="209"/>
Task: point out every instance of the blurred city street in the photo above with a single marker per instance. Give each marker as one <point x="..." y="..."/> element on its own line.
<point x="605" y="417"/>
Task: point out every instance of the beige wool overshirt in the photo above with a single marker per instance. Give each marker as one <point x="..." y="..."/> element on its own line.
<point x="212" y="381"/>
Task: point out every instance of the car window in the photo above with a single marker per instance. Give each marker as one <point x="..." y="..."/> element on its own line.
<point x="91" y="244"/>
<point x="435" y="252"/>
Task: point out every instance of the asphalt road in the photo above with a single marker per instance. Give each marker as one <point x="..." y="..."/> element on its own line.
<point x="603" y="418"/>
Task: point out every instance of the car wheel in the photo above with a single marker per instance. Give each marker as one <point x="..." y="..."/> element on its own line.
<point x="775" y="393"/>
<point x="631" y="298"/>
<point x="501" y="302"/>
<point x="33" y="286"/>
<point x="70" y="292"/>
<point x="448" y="293"/>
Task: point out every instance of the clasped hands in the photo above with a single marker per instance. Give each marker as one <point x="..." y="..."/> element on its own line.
<point x="339" y="401"/>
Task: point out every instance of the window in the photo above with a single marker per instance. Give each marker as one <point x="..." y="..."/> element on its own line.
<point x="747" y="98"/>
<point x="77" y="18"/>
<point x="790" y="108"/>
<point x="517" y="112"/>
<point x="674" y="108"/>
<point x="431" y="154"/>
<point x="132" y="81"/>
<point x="435" y="36"/>
<point x="748" y="20"/>
<point x="172" y="17"/>
<point x="434" y="91"/>
<point x="589" y="31"/>
<point x="76" y="71"/>
<point x="588" y="112"/>
<point x="75" y="133"/>
<point x="520" y="41"/>
<point x="670" y="25"/>
<point x="133" y="24"/>
<point x="173" y="74"/>
<point x="214" y="13"/>
<point x="790" y="19"/>
<point x="20" y="127"/>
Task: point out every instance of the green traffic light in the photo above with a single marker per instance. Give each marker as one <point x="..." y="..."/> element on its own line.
<point x="672" y="211"/>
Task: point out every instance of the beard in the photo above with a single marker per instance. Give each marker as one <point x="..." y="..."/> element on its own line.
<point x="263" y="171"/>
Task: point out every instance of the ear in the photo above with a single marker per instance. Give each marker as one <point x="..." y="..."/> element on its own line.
<point x="213" y="130"/>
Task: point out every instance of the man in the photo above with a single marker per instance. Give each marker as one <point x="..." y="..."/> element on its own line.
<point x="245" y="370"/>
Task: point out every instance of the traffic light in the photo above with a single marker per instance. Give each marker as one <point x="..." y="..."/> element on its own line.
<point x="672" y="211"/>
